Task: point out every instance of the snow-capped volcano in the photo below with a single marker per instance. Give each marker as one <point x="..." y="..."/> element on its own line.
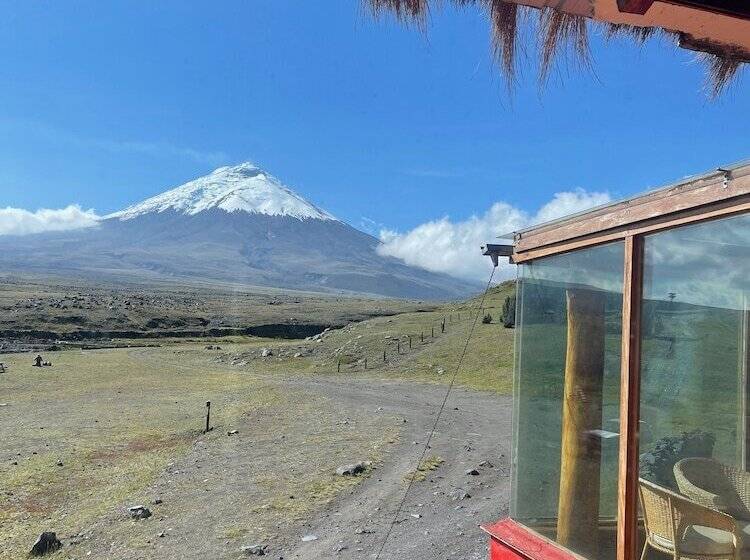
<point x="239" y="188"/>
<point x="236" y="225"/>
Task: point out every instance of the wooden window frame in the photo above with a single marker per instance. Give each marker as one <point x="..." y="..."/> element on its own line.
<point x="630" y="400"/>
<point x="704" y="199"/>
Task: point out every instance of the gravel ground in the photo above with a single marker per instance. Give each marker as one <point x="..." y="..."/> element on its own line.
<point x="270" y="483"/>
<point x="438" y="520"/>
<point x="208" y="509"/>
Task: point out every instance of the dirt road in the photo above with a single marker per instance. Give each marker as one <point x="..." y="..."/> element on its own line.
<point x="441" y="514"/>
<point x="108" y="429"/>
<point x="210" y="507"/>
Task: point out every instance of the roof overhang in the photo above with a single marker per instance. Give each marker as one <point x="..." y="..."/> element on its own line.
<point x="717" y="193"/>
<point x="713" y="26"/>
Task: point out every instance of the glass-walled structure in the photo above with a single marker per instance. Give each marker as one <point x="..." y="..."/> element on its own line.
<point x="568" y="398"/>
<point x="631" y="414"/>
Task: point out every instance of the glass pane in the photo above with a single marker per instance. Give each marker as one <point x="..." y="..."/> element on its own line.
<point x="694" y="371"/>
<point x="567" y="398"/>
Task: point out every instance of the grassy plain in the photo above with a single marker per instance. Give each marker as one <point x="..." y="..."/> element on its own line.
<point x="83" y="439"/>
<point x="104" y="429"/>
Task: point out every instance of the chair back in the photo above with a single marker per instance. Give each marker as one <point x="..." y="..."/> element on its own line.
<point x="711" y="483"/>
<point x="658" y="514"/>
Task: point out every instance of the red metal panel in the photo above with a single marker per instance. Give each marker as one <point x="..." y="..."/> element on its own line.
<point x="509" y="540"/>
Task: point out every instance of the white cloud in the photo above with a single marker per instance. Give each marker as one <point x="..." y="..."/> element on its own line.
<point x="453" y="247"/>
<point x="570" y="202"/>
<point x="17" y="221"/>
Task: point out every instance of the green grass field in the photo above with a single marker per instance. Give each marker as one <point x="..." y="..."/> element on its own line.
<point x="81" y="440"/>
<point x="101" y="429"/>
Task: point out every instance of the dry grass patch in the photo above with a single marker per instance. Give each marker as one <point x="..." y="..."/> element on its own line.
<point x="428" y="465"/>
<point x="93" y="432"/>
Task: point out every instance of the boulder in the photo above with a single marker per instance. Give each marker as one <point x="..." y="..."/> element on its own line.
<point x="139" y="512"/>
<point x="354" y="469"/>
<point x="46" y="543"/>
<point x="255" y="549"/>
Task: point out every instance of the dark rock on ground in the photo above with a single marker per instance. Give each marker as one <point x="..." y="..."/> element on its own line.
<point x="139" y="512"/>
<point x="46" y="543"/>
<point x="255" y="550"/>
<point x="353" y="469"/>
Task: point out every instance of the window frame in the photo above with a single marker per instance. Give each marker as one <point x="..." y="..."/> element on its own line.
<point x="717" y="195"/>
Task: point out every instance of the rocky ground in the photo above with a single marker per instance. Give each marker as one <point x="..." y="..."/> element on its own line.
<point x="44" y="313"/>
<point x="108" y="429"/>
<point x="441" y="514"/>
<point x="467" y="485"/>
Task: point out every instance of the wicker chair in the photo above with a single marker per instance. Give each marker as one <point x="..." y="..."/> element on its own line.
<point x="686" y="530"/>
<point x="715" y="485"/>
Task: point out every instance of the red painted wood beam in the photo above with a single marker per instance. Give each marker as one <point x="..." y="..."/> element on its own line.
<point x="509" y="540"/>
<point x="735" y="8"/>
<point x="639" y="7"/>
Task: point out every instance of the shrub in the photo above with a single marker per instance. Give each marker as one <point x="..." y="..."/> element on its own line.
<point x="657" y="464"/>
<point x="508" y="316"/>
<point x="487" y="319"/>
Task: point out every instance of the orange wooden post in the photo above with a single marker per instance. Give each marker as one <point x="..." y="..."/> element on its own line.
<point x="578" y="507"/>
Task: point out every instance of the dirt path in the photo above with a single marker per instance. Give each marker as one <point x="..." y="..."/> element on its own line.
<point x="215" y="498"/>
<point x="438" y="519"/>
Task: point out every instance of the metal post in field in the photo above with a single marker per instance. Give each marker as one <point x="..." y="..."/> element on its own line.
<point x="409" y="342"/>
<point x="383" y="355"/>
<point x="442" y="325"/>
<point x="398" y="347"/>
<point x="208" y="416"/>
<point x="338" y="366"/>
<point x="365" y="363"/>
<point x="433" y="332"/>
<point x="421" y="336"/>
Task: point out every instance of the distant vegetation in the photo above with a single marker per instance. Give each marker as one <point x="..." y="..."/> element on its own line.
<point x="508" y="316"/>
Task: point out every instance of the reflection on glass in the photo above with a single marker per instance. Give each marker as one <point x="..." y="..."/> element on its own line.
<point x="694" y="417"/>
<point x="567" y="398"/>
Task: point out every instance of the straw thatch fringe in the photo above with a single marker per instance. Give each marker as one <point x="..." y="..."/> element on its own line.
<point x="720" y="71"/>
<point x="557" y="32"/>
<point x="405" y="10"/>
<point x="638" y="34"/>
<point x="504" y="17"/>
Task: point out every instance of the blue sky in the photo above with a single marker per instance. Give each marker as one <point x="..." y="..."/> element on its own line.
<point x="106" y="103"/>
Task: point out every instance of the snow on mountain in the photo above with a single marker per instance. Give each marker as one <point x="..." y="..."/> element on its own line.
<point x="239" y="188"/>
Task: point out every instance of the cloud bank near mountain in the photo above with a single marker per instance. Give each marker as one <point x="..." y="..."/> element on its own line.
<point x="452" y="247"/>
<point x="17" y="221"/>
